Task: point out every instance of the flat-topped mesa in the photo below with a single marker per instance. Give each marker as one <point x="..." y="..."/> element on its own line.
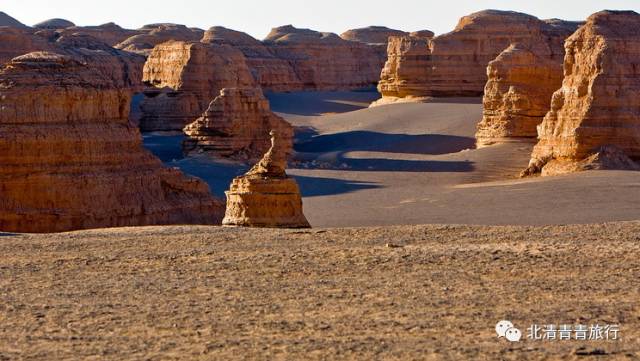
<point x="154" y="34"/>
<point x="594" y="121"/>
<point x="54" y="24"/>
<point x="71" y="160"/>
<point x="183" y="78"/>
<point x="266" y="196"/>
<point x="269" y="71"/>
<point x="236" y="125"/>
<point x="6" y="20"/>
<point x="522" y="80"/>
<point x="324" y="61"/>
<point x="454" y="64"/>
<point x="372" y="34"/>
<point x="422" y="34"/>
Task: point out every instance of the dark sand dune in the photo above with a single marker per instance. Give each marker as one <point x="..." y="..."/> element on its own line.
<point x="406" y="164"/>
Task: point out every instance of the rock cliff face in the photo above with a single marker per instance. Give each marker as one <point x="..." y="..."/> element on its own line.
<point x="71" y="160"/>
<point x="154" y="34"/>
<point x="454" y="64"/>
<point x="372" y="34"/>
<point x="19" y="41"/>
<point x="522" y="80"/>
<point x="324" y="61"/>
<point x="596" y="113"/>
<point x="183" y="78"/>
<point x="266" y="196"/>
<point x="237" y="125"/>
<point x="270" y="72"/>
<point x="54" y="24"/>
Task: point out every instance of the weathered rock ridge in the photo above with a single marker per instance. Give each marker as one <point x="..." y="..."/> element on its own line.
<point x="154" y="34"/>
<point x="6" y="20"/>
<point x="372" y="34"/>
<point x="54" y="24"/>
<point x="184" y="77"/>
<point x="324" y="61"/>
<point x="237" y="125"/>
<point x="266" y="196"/>
<point x="71" y="159"/>
<point x="596" y="113"/>
<point x="454" y="64"/>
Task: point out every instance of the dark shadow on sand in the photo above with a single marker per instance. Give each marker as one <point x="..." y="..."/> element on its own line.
<point x="341" y="163"/>
<point x="316" y="186"/>
<point x="433" y="144"/>
<point x="3" y="234"/>
<point x="167" y="147"/>
<point x="318" y="103"/>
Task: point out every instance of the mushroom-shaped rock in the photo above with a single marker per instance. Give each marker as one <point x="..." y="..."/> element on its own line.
<point x="266" y="196"/>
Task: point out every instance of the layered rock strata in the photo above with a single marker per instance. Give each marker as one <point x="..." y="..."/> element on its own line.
<point x="596" y="113"/>
<point x="19" y="41"/>
<point x="71" y="160"/>
<point x="183" y="77"/>
<point x="324" y="61"/>
<point x="270" y="72"/>
<point x="237" y="125"/>
<point x="454" y="64"/>
<point x="266" y="196"/>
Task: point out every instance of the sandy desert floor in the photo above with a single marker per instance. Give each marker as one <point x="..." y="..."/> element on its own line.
<point x="410" y="164"/>
<point x="213" y="293"/>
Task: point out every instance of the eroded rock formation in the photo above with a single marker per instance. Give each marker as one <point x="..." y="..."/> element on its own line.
<point x="595" y="116"/>
<point x="324" y="61"/>
<point x="266" y="196"/>
<point x="454" y="64"/>
<point x="183" y="78"/>
<point x="70" y="158"/>
<point x="19" y="41"/>
<point x="237" y="125"/>
<point x="54" y="24"/>
<point x="109" y="33"/>
<point x="6" y="20"/>
<point x="372" y="34"/>
<point x="154" y="34"/>
<point x="270" y="72"/>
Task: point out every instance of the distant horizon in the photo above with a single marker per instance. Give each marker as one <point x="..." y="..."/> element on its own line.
<point x="258" y="18"/>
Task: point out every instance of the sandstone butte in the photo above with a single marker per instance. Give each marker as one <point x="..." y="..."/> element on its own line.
<point x="594" y="121"/>
<point x="70" y="157"/>
<point x="266" y="196"/>
<point x="237" y="125"/>
<point x="153" y="34"/>
<point x="453" y="64"/>
<point x="182" y="78"/>
<point x="6" y="20"/>
<point x="372" y="34"/>
<point x="15" y="41"/>
<point x="324" y="61"/>
<point x="270" y="72"/>
<point x="522" y="80"/>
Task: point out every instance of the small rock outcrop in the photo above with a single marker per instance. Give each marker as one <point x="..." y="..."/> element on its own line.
<point x="154" y="34"/>
<point x="236" y="125"/>
<point x="454" y="64"/>
<point x="324" y="61"/>
<point x="266" y="196"/>
<point x="595" y="116"/>
<point x="54" y="24"/>
<point x="6" y="20"/>
<point x="183" y="77"/>
<point x="71" y="159"/>
<point x="372" y="34"/>
<point x="270" y="72"/>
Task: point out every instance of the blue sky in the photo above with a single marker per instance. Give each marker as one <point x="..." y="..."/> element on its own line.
<point x="257" y="17"/>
